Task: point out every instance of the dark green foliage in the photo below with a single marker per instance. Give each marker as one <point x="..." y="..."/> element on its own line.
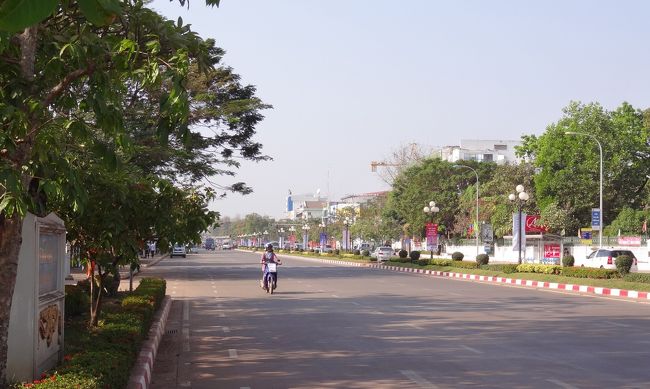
<point x="423" y="261"/>
<point x="637" y="277"/>
<point x="414" y="255"/>
<point x="623" y="264"/>
<point x="568" y="261"/>
<point x="503" y="267"/>
<point x="482" y="259"/>
<point x="357" y="252"/>
<point x="373" y="259"/>
<point x="365" y="253"/>
<point x="76" y="300"/>
<point x="337" y="252"/>
<point x="588" y="272"/>
<point x="457" y="256"/>
<point x="403" y="254"/>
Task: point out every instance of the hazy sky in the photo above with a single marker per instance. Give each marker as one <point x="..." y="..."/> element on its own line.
<point x="352" y="80"/>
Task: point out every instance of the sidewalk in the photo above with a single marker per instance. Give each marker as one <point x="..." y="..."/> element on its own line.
<point x="78" y="274"/>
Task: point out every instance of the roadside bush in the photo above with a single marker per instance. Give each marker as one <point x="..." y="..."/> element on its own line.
<point x="590" y="272"/>
<point x="507" y="268"/>
<point x="103" y="357"/>
<point x="357" y="252"/>
<point x="465" y="264"/>
<point x="77" y="300"/>
<point x="482" y="259"/>
<point x="624" y="264"/>
<point x="568" y="261"/>
<point x="403" y="253"/>
<point x="457" y="256"/>
<point x="441" y="262"/>
<point x="337" y="252"/>
<point x="372" y="259"/>
<point x="538" y="268"/>
<point x="365" y="253"/>
<point x="423" y="261"/>
<point x="414" y="255"/>
<point x="312" y="250"/>
<point x="404" y="260"/>
<point x="637" y="277"/>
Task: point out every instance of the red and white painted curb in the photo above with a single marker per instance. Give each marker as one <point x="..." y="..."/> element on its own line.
<point x="503" y="280"/>
<point x="141" y="372"/>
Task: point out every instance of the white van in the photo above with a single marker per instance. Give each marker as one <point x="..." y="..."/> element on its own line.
<point x="178" y="251"/>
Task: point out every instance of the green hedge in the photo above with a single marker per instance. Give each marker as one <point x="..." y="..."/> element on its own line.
<point x="537" y="268"/>
<point x="103" y="357"/>
<point x="502" y="267"/>
<point x="589" y="272"/>
<point x="77" y="301"/>
<point x="637" y="277"/>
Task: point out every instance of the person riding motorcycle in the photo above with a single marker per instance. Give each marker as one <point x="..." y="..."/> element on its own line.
<point x="269" y="257"/>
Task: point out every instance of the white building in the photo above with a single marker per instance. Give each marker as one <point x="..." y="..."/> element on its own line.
<point x="498" y="151"/>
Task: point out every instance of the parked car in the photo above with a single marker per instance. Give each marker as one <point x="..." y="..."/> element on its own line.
<point x="364" y="246"/>
<point x="327" y="249"/>
<point x="178" y="251"/>
<point x="606" y="258"/>
<point x="382" y="253"/>
<point x="276" y="245"/>
<point x="297" y="246"/>
<point x="194" y="249"/>
<point x="226" y="246"/>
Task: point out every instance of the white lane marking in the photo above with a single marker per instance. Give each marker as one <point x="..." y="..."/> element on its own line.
<point x="454" y="294"/>
<point x="475" y="351"/>
<point x="379" y="312"/>
<point x="214" y="286"/>
<point x="186" y="310"/>
<point x="232" y="353"/>
<point x="562" y="384"/>
<point x="335" y="296"/>
<point x="245" y="387"/>
<point x="355" y="303"/>
<point x="611" y="323"/>
<point x="226" y="329"/>
<point x="415" y="377"/>
<point x="221" y="314"/>
<point x="185" y="384"/>
<point x="415" y="326"/>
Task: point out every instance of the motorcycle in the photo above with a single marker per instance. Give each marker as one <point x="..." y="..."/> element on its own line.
<point x="270" y="277"/>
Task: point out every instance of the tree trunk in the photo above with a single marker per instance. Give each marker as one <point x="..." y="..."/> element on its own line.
<point x="95" y="301"/>
<point x="10" y="240"/>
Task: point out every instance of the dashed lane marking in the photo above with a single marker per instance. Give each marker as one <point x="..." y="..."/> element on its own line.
<point x="226" y="329"/>
<point x="475" y="351"/>
<point x="562" y="384"/>
<point x="232" y="353"/>
<point x="415" y="377"/>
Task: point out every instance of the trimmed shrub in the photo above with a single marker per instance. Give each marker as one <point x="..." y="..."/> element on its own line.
<point x="538" y="268"/>
<point x="457" y="256"/>
<point x="465" y="264"/>
<point x="404" y="260"/>
<point x="624" y="264"/>
<point x="77" y="300"/>
<point x="403" y="253"/>
<point x="482" y="259"/>
<point x="637" y="277"/>
<point x="423" y="261"/>
<point x="414" y="255"/>
<point x="373" y="259"/>
<point x="507" y="268"/>
<point x="590" y="272"/>
<point x="441" y="262"/>
<point x="357" y="252"/>
<point x="568" y="261"/>
<point x="365" y="253"/>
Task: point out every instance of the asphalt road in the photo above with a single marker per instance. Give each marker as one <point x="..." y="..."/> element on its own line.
<point x="344" y="327"/>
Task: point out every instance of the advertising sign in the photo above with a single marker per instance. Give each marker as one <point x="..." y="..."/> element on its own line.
<point x="585" y="236"/>
<point x="595" y="219"/>
<point x="487" y="234"/>
<point x="518" y="231"/>
<point x="432" y="229"/>
<point x="323" y="239"/>
<point x="629" y="241"/>
<point x="552" y="251"/>
<point x="532" y="224"/>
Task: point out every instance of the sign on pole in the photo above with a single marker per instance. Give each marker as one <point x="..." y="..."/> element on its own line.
<point x="595" y="219"/>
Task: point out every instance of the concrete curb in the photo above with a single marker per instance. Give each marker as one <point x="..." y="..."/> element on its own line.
<point x="141" y="372"/>
<point x="574" y="288"/>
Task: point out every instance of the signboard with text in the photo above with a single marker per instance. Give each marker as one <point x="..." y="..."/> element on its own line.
<point x="595" y="219"/>
<point x="532" y="224"/>
<point x="629" y="241"/>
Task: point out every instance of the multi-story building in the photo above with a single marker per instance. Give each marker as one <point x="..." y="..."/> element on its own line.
<point x="498" y="151"/>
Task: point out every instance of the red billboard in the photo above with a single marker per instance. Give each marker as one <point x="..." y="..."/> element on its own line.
<point x="532" y="224"/>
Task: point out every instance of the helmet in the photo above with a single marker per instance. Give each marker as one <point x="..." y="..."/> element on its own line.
<point x="269" y="247"/>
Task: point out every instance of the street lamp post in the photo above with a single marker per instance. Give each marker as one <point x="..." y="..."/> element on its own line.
<point x="476" y="226"/>
<point x="323" y="227"/>
<point x="431" y="210"/>
<point x="266" y="239"/>
<point x="292" y="232"/>
<point x="600" y="149"/>
<point x="347" y="223"/>
<point x="522" y="196"/>
<point x="305" y="235"/>
<point x="281" y="237"/>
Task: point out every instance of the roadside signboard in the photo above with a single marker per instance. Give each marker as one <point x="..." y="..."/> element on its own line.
<point x="532" y="224"/>
<point x="552" y="251"/>
<point x="629" y="241"/>
<point x="585" y="236"/>
<point x="595" y="219"/>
